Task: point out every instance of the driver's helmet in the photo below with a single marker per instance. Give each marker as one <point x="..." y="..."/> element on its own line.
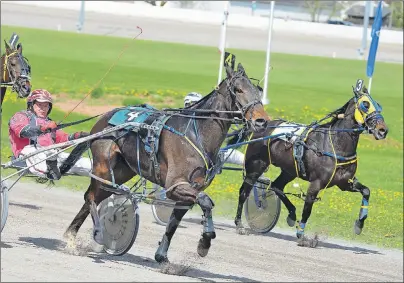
<point x="41" y="95"/>
<point x="191" y="98"/>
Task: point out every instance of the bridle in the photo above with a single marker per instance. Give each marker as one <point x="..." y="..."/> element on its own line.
<point x="242" y="108"/>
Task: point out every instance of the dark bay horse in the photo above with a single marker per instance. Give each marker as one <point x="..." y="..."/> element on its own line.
<point x="328" y="159"/>
<point x="15" y="70"/>
<point x="187" y="151"/>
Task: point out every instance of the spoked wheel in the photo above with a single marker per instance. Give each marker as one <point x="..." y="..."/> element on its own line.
<point x="120" y="224"/>
<point x="262" y="208"/>
<point x="161" y="208"/>
<point x="4" y="205"/>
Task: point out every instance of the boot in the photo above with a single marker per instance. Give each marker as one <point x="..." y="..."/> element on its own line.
<point x="53" y="170"/>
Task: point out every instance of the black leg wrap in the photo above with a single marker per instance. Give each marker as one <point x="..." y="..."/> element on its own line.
<point x="53" y="169"/>
<point x="204" y="201"/>
<point x="206" y="204"/>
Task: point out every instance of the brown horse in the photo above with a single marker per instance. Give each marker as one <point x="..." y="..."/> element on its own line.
<point x="186" y="156"/>
<point x="327" y="156"/>
<point x="15" y="70"/>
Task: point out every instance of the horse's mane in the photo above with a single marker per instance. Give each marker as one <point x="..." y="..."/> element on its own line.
<point x="335" y="114"/>
<point x="204" y="103"/>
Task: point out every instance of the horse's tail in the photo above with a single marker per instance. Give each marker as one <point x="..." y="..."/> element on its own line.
<point x="74" y="157"/>
<point x="235" y="137"/>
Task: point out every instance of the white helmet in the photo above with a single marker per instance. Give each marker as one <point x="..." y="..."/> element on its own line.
<point x="191" y="98"/>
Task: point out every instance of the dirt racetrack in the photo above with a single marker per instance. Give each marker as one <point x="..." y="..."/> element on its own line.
<point x="33" y="249"/>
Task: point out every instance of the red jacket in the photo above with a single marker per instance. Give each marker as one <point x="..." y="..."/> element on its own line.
<point x="24" y="119"/>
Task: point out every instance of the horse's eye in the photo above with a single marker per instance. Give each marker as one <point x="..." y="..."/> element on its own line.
<point x="366" y="104"/>
<point x="13" y="64"/>
<point x="238" y="90"/>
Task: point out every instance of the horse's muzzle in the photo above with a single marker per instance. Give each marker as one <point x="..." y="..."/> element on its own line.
<point x="380" y="132"/>
<point x="22" y="86"/>
<point x="260" y="124"/>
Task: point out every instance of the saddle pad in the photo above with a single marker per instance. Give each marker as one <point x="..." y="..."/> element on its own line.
<point x="142" y="114"/>
<point x="132" y="114"/>
<point x="288" y="128"/>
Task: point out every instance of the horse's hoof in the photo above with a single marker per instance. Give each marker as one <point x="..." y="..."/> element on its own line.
<point x="98" y="237"/>
<point x="68" y="235"/>
<point x="358" y="227"/>
<point x="202" y="251"/>
<point x="313" y="243"/>
<point x="241" y="230"/>
<point x="161" y="258"/>
<point x="290" y="221"/>
<point x="203" y="246"/>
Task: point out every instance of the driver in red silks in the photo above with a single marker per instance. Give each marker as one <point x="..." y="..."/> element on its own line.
<point x="31" y="129"/>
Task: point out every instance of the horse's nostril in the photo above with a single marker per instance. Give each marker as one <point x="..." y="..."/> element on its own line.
<point x="260" y="122"/>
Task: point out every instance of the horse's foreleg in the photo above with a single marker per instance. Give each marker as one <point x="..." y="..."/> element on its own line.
<point x="312" y="193"/>
<point x="206" y="204"/>
<point x="356" y="186"/>
<point x="164" y="244"/>
<point x="363" y="213"/>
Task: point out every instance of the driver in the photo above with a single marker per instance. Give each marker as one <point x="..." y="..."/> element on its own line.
<point x="31" y="129"/>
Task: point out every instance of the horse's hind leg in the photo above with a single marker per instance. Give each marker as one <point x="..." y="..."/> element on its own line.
<point x="244" y="192"/>
<point x="311" y="196"/>
<point x="81" y="216"/>
<point x="356" y="186"/>
<point x="173" y="222"/>
<point x="95" y="194"/>
<point x="279" y="184"/>
<point x="254" y="170"/>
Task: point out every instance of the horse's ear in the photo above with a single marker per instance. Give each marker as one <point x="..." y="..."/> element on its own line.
<point x="365" y="90"/>
<point x="358" y="88"/>
<point x="19" y="48"/>
<point x="8" y="48"/>
<point x="240" y="69"/>
<point x="229" y="71"/>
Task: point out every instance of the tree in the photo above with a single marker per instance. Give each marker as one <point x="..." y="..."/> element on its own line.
<point x="316" y="7"/>
<point x="397" y="13"/>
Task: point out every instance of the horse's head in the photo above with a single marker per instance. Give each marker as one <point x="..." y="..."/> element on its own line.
<point x="246" y="98"/>
<point x="15" y="70"/>
<point x="367" y="112"/>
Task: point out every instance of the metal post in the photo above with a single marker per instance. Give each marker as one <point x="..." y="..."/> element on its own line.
<point x="80" y="24"/>
<point x="265" y="99"/>
<point x="253" y="7"/>
<point x="223" y="40"/>
<point x="365" y="28"/>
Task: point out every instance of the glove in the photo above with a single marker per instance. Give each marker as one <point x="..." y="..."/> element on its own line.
<point x="78" y="135"/>
<point x="48" y="126"/>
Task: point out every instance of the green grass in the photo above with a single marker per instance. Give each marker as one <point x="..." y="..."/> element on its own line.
<point x="301" y="88"/>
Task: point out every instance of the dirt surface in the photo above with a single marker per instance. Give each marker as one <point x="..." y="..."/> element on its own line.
<point x="33" y="249"/>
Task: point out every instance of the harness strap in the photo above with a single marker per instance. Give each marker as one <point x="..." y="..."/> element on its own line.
<point x="245" y="152"/>
<point x="174" y="131"/>
<point x="336" y="163"/>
